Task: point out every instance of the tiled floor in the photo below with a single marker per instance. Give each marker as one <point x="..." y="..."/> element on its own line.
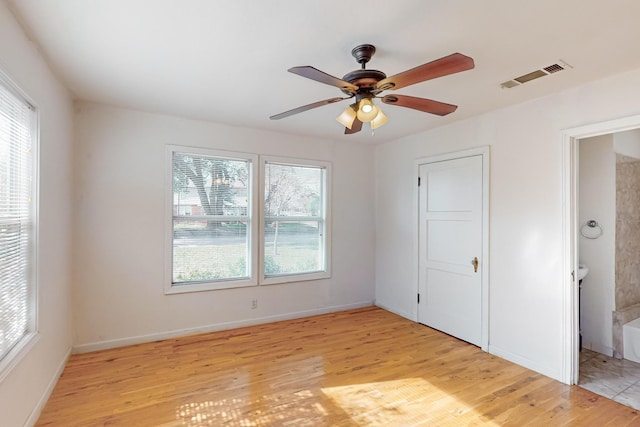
<point x="615" y="379"/>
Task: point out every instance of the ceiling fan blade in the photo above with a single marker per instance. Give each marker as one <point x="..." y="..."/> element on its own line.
<point x="355" y="127"/>
<point x="305" y="108"/>
<point x="422" y="104"/>
<point x="451" y="64"/>
<point x="322" y="77"/>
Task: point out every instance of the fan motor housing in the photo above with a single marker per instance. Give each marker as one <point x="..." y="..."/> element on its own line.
<point x="364" y="79"/>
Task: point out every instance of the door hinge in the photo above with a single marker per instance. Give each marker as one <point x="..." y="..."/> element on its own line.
<point x="418" y="298"/>
<point x="418" y="181"/>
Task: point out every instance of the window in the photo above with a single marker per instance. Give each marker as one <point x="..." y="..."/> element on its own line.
<point x="17" y="224"/>
<point x="211" y="227"/>
<point x="295" y="228"/>
<point x="216" y="240"/>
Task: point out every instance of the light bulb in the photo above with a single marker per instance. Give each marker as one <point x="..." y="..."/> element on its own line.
<point x="367" y="110"/>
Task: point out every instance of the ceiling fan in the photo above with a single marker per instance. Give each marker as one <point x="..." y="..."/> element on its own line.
<point x="366" y="85"/>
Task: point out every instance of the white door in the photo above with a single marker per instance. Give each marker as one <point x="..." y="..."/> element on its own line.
<point x="450" y="247"/>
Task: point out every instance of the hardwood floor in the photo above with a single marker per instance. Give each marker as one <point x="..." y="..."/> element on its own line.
<point x="364" y="367"/>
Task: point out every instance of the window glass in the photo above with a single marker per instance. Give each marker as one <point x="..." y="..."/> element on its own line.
<point x="210" y="218"/>
<point x="294" y="219"/>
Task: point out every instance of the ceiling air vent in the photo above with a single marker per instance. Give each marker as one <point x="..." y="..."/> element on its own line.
<point x="551" y="69"/>
<point x="530" y="76"/>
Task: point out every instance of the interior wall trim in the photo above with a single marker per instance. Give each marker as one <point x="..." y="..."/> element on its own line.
<point x="141" y="339"/>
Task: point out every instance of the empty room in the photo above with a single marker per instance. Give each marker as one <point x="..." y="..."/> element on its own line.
<point x="265" y="213"/>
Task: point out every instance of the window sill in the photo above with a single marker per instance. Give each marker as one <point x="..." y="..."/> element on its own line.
<point x="207" y="286"/>
<point x="13" y="358"/>
<point x="287" y="278"/>
<point x="232" y="284"/>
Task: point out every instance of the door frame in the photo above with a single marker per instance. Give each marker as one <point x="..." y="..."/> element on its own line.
<point x="484" y="153"/>
<point x="570" y="301"/>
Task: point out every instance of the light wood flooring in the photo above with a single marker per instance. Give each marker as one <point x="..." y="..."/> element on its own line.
<point x="364" y="367"/>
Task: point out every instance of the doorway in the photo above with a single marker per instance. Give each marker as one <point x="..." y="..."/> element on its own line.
<point x="608" y="190"/>
<point x="452" y="217"/>
<point x="572" y="225"/>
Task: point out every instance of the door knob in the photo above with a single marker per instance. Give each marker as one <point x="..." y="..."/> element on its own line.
<point x="474" y="262"/>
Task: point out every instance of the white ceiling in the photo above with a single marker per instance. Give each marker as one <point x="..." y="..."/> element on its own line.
<point x="226" y="60"/>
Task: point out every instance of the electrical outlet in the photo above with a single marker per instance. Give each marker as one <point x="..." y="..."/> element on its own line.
<point x="254" y="303"/>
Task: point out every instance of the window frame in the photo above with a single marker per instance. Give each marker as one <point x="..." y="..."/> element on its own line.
<point x="326" y="215"/>
<point x="32" y="335"/>
<point x="255" y="219"/>
<point x="252" y="224"/>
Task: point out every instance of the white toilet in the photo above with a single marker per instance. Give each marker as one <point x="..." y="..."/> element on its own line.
<point x="631" y="340"/>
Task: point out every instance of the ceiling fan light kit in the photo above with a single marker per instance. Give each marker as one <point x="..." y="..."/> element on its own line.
<point x="365" y="85"/>
<point x="365" y="111"/>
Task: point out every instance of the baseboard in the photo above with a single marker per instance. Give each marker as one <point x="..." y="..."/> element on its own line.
<point x="598" y="348"/>
<point x="393" y="310"/>
<point x="140" y="339"/>
<point x="525" y="362"/>
<point x="35" y="414"/>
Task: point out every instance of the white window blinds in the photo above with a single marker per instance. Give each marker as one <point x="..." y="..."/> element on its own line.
<point x="211" y="218"/>
<point x="17" y="285"/>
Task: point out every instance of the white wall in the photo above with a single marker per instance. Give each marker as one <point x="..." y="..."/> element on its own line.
<point x="627" y="143"/>
<point x="28" y="384"/>
<point x="597" y="200"/>
<point x="526" y="213"/>
<point x="119" y="245"/>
